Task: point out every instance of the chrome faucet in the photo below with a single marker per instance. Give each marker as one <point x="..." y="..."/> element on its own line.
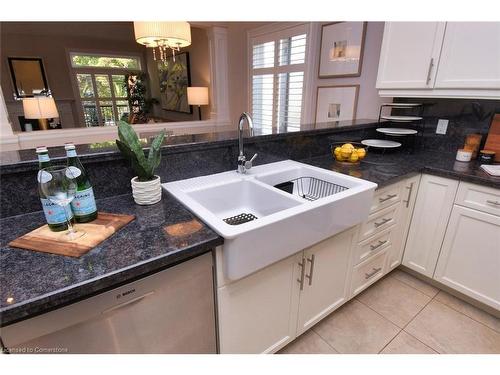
<point x="243" y="164"/>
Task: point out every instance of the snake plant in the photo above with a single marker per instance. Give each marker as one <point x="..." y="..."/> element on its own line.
<point x="131" y="149"/>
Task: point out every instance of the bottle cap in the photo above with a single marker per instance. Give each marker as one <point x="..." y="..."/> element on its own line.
<point x="41" y="149"/>
<point x="69" y="146"/>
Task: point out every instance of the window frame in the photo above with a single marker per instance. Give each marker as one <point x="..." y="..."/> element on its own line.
<point x="275" y="32"/>
<point x="93" y="71"/>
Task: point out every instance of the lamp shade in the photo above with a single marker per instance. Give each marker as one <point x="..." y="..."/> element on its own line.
<point x="197" y="95"/>
<point x="40" y="107"/>
<point x="155" y="34"/>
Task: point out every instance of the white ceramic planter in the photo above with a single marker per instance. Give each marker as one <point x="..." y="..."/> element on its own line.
<point x="146" y="192"/>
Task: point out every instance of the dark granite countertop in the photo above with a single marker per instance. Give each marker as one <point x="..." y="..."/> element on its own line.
<point x="387" y="168"/>
<point x="35" y="282"/>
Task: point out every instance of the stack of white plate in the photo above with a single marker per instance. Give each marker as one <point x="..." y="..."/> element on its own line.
<point x="398" y="132"/>
<point x="380" y="143"/>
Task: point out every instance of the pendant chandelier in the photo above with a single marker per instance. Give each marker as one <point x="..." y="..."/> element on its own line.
<point x="162" y="36"/>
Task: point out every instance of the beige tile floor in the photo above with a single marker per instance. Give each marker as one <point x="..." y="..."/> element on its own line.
<point x="401" y="314"/>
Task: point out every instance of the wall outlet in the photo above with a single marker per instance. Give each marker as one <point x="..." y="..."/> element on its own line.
<point x="442" y="126"/>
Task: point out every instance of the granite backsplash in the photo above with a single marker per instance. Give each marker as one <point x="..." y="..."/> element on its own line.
<point x="465" y="116"/>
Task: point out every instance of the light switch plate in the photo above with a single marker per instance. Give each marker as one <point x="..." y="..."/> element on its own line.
<point x="442" y="126"/>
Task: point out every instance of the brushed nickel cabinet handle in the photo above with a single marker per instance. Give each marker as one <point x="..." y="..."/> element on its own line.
<point x="495" y="203"/>
<point x="378" y="224"/>
<point x="410" y="190"/>
<point x="389" y="196"/>
<point x="302" y="266"/>
<point x="431" y="64"/>
<point x="311" y="269"/>
<point x="380" y="243"/>
<point x="373" y="273"/>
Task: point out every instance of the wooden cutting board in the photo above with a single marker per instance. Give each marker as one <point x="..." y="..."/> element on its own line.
<point x="493" y="140"/>
<point x="44" y="240"/>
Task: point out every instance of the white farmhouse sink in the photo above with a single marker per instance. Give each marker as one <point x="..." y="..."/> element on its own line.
<point x="284" y="223"/>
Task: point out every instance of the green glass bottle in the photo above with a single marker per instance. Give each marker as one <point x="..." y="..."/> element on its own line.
<point x="54" y="214"/>
<point x="83" y="206"/>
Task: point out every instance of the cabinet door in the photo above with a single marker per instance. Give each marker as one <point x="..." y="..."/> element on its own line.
<point x="409" y="54"/>
<point x="326" y="278"/>
<point x="428" y="225"/>
<point x="470" y="57"/>
<point x="409" y="195"/>
<point x="470" y="257"/>
<point x="258" y="313"/>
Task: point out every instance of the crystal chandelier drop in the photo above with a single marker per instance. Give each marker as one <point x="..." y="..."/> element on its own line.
<point x="162" y="36"/>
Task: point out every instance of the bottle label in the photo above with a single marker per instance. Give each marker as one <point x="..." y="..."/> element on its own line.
<point x="84" y="202"/>
<point x="74" y="172"/>
<point x="43" y="158"/>
<point x="71" y="153"/>
<point x="54" y="214"/>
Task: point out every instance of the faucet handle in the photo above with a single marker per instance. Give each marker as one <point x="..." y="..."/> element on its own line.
<point x="249" y="163"/>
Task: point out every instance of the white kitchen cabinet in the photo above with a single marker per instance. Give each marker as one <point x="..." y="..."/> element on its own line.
<point x="409" y="54"/>
<point x="264" y="311"/>
<point x="258" y="314"/>
<point x="440" y="59"/>
<point x="409" y="193"/>
<point x="470" y="256"/>
<point x="470" y="57"/>
<point x="430" y="217"/>
<point x="324" y="276"/>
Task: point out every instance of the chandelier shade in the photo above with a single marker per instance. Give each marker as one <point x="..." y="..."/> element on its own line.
<point x="163" y="34"/>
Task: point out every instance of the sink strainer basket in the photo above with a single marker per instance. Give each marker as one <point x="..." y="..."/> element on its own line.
<point x="310" y="188"/>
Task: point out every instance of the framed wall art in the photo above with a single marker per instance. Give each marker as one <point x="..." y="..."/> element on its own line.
<point x="174" y="79"/>
<point x="341" y="52"/>
<point x="336" y="103"/>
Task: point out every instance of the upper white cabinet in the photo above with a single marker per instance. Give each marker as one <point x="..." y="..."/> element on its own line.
<point x="409" y="55"/>
<point x="470" y="57"/>
<point x="440" y="59"/>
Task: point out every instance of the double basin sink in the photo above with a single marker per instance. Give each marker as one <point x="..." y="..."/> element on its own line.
<point x="274" y="210"/>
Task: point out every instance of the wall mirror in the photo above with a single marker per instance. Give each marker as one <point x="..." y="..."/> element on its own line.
<point x="28" y="76"/>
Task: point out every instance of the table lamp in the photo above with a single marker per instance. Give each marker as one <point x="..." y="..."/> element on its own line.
<point x="40" y="108"/>
<point x="197" y="96"/>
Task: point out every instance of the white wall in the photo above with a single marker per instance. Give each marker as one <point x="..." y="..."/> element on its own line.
<point x="368" y="100"/>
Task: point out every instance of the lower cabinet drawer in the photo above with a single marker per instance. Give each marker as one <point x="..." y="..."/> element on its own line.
<point x="367" y="272"/>
<point x="385" y="197"/>
<point x="379" y="221"/>
<point x="373" y="245"/>
<point x="479" y="197"/>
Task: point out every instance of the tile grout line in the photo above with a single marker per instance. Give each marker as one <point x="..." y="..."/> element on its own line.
<point x="451" y="307"/>
<point x="417" y="314"/>
<point x="470" y="317"/>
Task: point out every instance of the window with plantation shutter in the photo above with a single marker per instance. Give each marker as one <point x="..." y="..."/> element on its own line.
<point x="277" y="79"/>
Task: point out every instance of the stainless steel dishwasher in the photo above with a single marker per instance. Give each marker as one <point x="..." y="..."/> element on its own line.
<point x="171" y="311"/>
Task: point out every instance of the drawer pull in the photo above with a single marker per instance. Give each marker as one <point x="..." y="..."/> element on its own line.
<point x="378" y="224"/>
<point x="380" y="243"/>
<point x="410" y="190"/>
<point x="302" y="266"/>
<point x="311" y="269"/>
<point x="390" y="196"/>
<point x="373" y="273"/>
<point x="494" y="203"/>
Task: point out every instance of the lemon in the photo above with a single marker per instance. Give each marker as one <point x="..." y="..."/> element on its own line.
<point x="346" y="154"/>
<point x="347" y="147"/>
<point x="337" y="151"/>
<point x="361" y="153"/>
<point x="354" y="157"/>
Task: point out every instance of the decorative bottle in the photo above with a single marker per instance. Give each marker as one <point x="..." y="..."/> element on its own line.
<point x="54" y="214"/>
<point x="83" y="205"/>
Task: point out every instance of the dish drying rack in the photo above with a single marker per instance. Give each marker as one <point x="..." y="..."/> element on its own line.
<point x="416" y="121"/>
<point x="310" y="188"/>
